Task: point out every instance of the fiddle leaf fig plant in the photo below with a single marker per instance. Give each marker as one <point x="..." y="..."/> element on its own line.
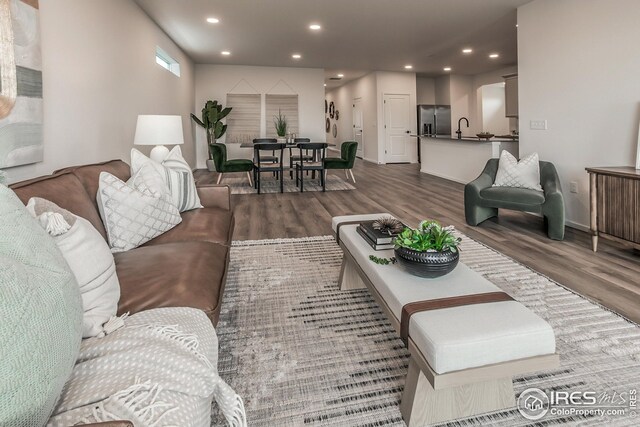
<point x="212" y="114"/>
<point x="430" y="236"/>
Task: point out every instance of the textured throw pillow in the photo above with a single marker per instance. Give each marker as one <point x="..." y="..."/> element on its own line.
<point x="518" y="174"/>
<point x="40" y="317"/>
<point x="134" y="212"/>
<point x="177" y="176"/>
<point x="90" y="260"/>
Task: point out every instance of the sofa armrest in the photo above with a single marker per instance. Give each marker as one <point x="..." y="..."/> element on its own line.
<point x="215" y="196"/>
<point x="109" y="424"/>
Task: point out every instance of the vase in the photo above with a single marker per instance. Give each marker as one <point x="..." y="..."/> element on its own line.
<point x="427" y="264"/>
<point x="282" y="140"/>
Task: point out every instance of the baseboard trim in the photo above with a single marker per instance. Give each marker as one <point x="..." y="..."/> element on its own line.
<point x="449" y="178"/>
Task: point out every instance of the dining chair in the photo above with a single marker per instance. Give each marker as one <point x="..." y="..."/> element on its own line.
<point x="318" y="153"/>
<point x="345" y="161"/>
<point x="264" y="163"/>
<point x="219" y="154"/>
<point x="273" y="156"/>
<point x="294" y="157"/>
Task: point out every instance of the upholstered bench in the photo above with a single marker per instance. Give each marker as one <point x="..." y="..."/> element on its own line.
<point x="463" y="357"/>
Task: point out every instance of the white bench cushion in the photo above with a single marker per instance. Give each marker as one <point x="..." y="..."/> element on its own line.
<point x="455" y="338"/>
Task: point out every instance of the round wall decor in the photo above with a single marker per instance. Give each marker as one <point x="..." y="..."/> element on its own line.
<point x="335" y="130"/>
<point x="326" y="107"/>
<point x="327" y="125"/>
<point x="332" y="109"/>
<point x="337" y="115"/>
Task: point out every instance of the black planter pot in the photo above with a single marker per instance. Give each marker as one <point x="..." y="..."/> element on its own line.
<point x="427" y="264"/>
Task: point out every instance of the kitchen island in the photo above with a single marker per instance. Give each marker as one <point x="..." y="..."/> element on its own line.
<point x="460" y="160"/>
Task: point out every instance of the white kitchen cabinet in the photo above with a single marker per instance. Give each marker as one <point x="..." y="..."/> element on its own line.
<point x="511" y="95"/>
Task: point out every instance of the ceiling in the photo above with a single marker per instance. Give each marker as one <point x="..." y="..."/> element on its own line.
<point x="356" y="36"/>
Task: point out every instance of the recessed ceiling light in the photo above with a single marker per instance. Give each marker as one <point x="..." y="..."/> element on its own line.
<point x="325" y="85"/>
<point x="296" y="56"/>
<point x="516" y="25"/>
<point x="494" y="55"/>
<point x="408" y="67"/>
<point x="315" y="27"/>
<point x="225" y="53"/>
<point x="213" y="20"/>
<point x="340" y="75"/>
<point x="467" y="50"/>
<point x="447" y="68"/>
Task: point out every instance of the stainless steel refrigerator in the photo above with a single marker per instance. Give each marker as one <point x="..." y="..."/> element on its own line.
<point x="434" y="120"/>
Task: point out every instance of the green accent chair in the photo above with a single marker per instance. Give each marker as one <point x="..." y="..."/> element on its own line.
<point x="219" y="155"/>
<point x="345" y="161"/>
<point x="482" y="201"/>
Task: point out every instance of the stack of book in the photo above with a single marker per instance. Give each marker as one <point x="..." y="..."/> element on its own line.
<point x="377" y="239"/>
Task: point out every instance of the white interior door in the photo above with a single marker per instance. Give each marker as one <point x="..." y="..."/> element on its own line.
<point x="397" y="126"/>
<point x="358" y="126"/>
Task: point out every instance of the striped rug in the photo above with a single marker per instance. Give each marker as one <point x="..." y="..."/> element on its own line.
<point x="303" y="353"/>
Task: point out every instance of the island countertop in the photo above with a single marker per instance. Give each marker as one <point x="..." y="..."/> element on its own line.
<point x="467" y="139"/>
<point x="460" y="160"/>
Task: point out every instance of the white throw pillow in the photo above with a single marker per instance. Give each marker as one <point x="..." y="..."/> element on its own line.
<point x="518" y="174"/>
<point x="136" y="211"/>
<point x="89" y="258"/>
<point x="177" y="176"/>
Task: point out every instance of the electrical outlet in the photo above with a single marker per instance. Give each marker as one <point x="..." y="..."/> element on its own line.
<point x="573" y="186"/>
<point x="538" y="125"/>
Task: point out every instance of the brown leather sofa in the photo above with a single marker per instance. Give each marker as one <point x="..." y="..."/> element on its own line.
<point x="184" y="267"/>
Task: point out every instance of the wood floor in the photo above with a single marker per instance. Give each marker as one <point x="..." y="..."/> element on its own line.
<point x="610" y="277"/>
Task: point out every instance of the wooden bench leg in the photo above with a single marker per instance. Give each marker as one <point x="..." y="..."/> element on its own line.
<point x="349" y="276"/>
<point x="422" y="405"/>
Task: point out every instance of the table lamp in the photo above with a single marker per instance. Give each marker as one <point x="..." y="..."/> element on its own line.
<point x="159" y="131"/>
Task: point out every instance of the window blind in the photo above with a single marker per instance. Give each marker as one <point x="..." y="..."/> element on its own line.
<point x="288" y="106"/>
<point x="243" y="123"/>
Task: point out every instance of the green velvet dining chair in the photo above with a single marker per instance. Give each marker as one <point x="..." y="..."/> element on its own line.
<point x="219" y="155"/>
<point x="345" y="161"/>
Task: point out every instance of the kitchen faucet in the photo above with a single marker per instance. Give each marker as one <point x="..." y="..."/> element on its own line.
<point x="459" y="132"/>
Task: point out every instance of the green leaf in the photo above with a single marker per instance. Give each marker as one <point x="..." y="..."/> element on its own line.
<point x="197" y="120"/>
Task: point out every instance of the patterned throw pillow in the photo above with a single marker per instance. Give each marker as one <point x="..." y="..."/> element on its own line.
<point x="134" y="212"/>
<point x="518" y="174"/>
<point x="90" y="260"/>
<point x="40" y="317"/>
<point x="177" y="175"/>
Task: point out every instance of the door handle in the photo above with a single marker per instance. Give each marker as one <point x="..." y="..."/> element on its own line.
<point x="408" y="131"/>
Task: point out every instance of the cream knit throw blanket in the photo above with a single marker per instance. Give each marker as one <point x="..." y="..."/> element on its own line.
<point x="152" y="373"/>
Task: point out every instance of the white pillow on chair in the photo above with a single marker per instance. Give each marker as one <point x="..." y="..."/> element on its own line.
<point x="518" y="174"/>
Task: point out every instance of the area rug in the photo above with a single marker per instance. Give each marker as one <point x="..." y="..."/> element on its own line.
<point x="303" y="353"/>
<point x="269" y="184"/>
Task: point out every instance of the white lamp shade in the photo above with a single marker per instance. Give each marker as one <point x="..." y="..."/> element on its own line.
<point x="159" y="130"/>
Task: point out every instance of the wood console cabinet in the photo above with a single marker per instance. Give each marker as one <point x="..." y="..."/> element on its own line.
<point x="615" y="205"/>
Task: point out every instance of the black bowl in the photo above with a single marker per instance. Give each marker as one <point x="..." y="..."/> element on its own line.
<point x="427" y="264"/>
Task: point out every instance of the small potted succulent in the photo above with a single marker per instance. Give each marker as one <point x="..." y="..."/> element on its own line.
<point x="430" y="250"/>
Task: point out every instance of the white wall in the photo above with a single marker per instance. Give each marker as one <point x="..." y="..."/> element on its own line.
<point x="425" y="90"/>
<point x="215" y="81"/>
<point x="371" y="89"/>
<point x="364" y="88"/>
<point x="491" y="114"/>
<point x="579" y="69"/>
<point x="442" y="91"/>
<point x="463" y="104"/>
<point x="99" y="73"/>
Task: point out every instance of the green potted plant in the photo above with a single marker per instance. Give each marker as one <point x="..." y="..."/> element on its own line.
<point x="212" y="114"/>
<point x="280" y="121"/>
<point x="430" y="250"/>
